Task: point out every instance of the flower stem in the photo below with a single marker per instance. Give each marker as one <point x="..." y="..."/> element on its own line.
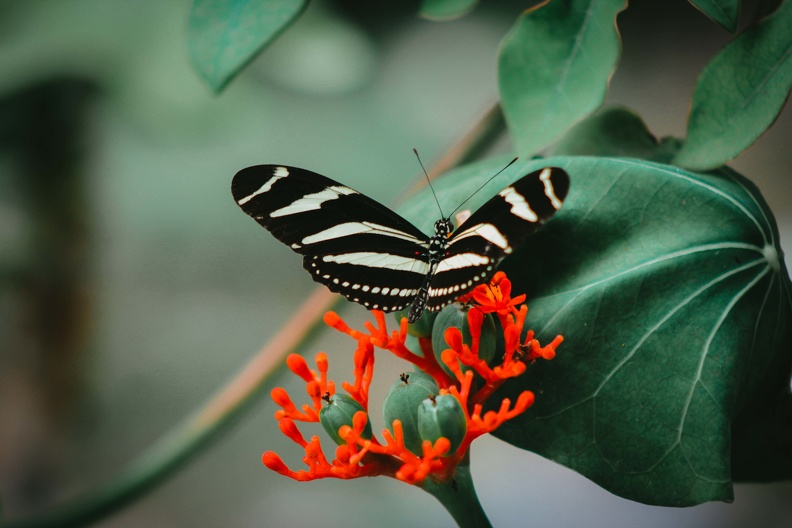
<point x="458" y="496"/>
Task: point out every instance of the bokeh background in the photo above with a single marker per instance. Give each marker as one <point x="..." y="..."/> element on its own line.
<point x="132" y="288"/>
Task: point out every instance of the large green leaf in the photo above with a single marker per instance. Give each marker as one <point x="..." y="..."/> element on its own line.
<point x="740" y="93"/>
<point x="446" y="9"/>
<point x="225" y="35"/>
<point x="671" y="292"/>
<point x="723" y="12"/>
<point x="554" y="68"/>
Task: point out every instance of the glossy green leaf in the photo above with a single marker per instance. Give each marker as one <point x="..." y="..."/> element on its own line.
<point x="740" y="93"/>
<point x="723" y="12"/>
<point x="554" y="68"/>
<point x="225" y="35"/>
<point x="671" y="291"/>
<point x="615" y="132"/>
<point x="446" y="9"/>
<point x="672" y="295"/>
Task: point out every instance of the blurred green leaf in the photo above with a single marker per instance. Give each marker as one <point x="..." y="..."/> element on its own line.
<point x="740" y="93"/>
<point x="554" y="68"/>
<point x="224" y="36"/>
<point x="723" y="12"/>
<point x="446" y="9"/>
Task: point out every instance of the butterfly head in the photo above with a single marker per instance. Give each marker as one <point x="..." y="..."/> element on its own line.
<point x="443" y="227"/>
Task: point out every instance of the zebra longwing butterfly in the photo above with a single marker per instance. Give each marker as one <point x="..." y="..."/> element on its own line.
<point x="374" y="257"/>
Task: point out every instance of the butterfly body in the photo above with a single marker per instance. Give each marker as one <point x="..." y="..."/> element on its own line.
<point x="372" y="256"/>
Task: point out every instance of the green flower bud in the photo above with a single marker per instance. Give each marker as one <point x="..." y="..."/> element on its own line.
<point x="339" y="411"/>
<point x="402" y="403"/>
<point x="442" y="416"/>
<point x="455" y="315"/>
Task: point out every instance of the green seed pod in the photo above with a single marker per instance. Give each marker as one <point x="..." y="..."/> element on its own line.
<point x="402" y="403"/>
<point x="455" y="315"/>
<point x="420" y="328"/>
<point x="442" y="416"/>
<point x="339" y="411"/>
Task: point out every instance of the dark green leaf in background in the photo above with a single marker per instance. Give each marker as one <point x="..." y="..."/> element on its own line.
<point x="554" y="68"/>
<point x="762" y="442"/>
<point x="446" y="9"/>
<point x="740" y="93"/>
<point x="225" y="35"/>
<point x="723" y="12"/>
<point x="672" y="295"/>
<point x="615" y="132"/>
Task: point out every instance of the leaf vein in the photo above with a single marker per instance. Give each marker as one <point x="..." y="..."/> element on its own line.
<point x="705" y="351"/>
<point x="707" y="186"/>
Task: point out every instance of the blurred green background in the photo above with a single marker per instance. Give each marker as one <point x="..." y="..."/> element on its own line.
<point x="132" y="288"/>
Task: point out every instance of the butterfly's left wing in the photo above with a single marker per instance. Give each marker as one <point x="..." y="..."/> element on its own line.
<point x="349" y="242"/>
<point x="494" y="230"/>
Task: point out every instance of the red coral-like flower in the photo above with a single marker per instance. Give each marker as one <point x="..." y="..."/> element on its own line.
<point x="495" y="297"/>
<point x="361" y="456"/>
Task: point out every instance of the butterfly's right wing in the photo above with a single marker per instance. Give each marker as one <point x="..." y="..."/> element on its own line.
<point x="494" y="231"/>
<point x="349" y="242"/>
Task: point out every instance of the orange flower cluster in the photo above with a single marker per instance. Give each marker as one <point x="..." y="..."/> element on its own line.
<point x="363" y="457"/>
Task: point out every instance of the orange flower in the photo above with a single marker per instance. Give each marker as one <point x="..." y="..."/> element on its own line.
<point x="495" y="297"/>
<point x="530" y="349"/>
<point x="361" y="454"/>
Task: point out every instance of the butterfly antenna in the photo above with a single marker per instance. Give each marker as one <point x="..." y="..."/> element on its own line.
<point x="485" y="184"/>
<point x="429" y="182"/>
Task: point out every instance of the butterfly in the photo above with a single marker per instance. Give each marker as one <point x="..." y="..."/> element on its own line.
<point x="372" y="256"/>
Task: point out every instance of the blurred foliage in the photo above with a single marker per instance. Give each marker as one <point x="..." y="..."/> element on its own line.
<point x="225" y="36"/>
<point x="669" y="283"/>
<point x="45" y="280"/>
<point x="740" y="93"/>
<point x="724" y="12"/>
<point x="555" y="65"/>
<point x="446" y="9"/>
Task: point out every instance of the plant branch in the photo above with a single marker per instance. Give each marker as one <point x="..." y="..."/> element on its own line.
<point x="459" y="498"/>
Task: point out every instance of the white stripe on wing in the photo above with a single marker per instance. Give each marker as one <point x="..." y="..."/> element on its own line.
<point x="356" y="228"/>
<point x="313" y="201"/>
<point x="372" y="259"/>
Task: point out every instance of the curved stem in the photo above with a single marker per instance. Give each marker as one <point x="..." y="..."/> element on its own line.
<point x="189" y="438"/>
<point x="458" y="496"/>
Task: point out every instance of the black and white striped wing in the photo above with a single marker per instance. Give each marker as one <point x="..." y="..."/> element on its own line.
<point x="494" y="230"/>
<point x="349" y="242"/>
